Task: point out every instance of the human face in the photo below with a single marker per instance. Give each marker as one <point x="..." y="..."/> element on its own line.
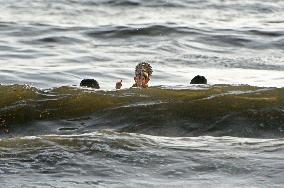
<point x="141" y="81"/>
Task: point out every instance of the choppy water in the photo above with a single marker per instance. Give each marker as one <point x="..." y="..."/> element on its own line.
<point x="108" y="159"/>
<point x="225" y="134"/>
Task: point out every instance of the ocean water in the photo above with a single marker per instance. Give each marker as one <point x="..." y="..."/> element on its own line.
<point x="228" y="133"/>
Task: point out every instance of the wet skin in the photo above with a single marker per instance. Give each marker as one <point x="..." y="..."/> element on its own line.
<point x="141" y="81"/>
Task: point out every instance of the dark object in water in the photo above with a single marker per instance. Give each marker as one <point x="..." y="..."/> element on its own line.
<point x="90" y="83"/>
<point x="198" y="80"/>
<point x="118" y="84"/>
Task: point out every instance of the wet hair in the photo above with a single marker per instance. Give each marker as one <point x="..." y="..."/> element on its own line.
<point x="144" y="74"/>
<point x="90" y="83"/>
<point x="143" y="69"/>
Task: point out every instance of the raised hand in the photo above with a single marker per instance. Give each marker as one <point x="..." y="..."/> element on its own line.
<point x="118" y="84"/>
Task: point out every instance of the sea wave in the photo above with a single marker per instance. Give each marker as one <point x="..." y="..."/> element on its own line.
<point x="103" y="157"/>
<point x="218" y="110"/>
<point x="134" y="3"/>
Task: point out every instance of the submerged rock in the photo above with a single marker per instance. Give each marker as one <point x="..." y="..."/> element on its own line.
<point x="90" y="83"/>
<point x="198" y="80"/>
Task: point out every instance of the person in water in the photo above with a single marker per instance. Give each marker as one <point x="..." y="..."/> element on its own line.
<point x="143" y="72"/>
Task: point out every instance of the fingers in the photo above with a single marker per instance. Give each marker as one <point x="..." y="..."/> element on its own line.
<point x="118" y="84"/>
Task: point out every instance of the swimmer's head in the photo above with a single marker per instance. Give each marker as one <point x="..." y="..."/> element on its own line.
<point x="143" y="68"/>
<point x="143" y="71"/>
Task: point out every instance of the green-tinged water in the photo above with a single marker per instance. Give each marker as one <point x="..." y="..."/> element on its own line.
<point x="55" y="134"/>
<point x="199" y="110"/>
<point x="110" y="159"/>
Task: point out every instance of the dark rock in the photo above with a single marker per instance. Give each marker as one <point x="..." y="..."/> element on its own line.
<point x="198" y="80"/>
<point x="90" y="83"/>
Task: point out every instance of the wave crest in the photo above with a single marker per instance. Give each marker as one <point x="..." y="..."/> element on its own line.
<point x="218" y="110"/>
